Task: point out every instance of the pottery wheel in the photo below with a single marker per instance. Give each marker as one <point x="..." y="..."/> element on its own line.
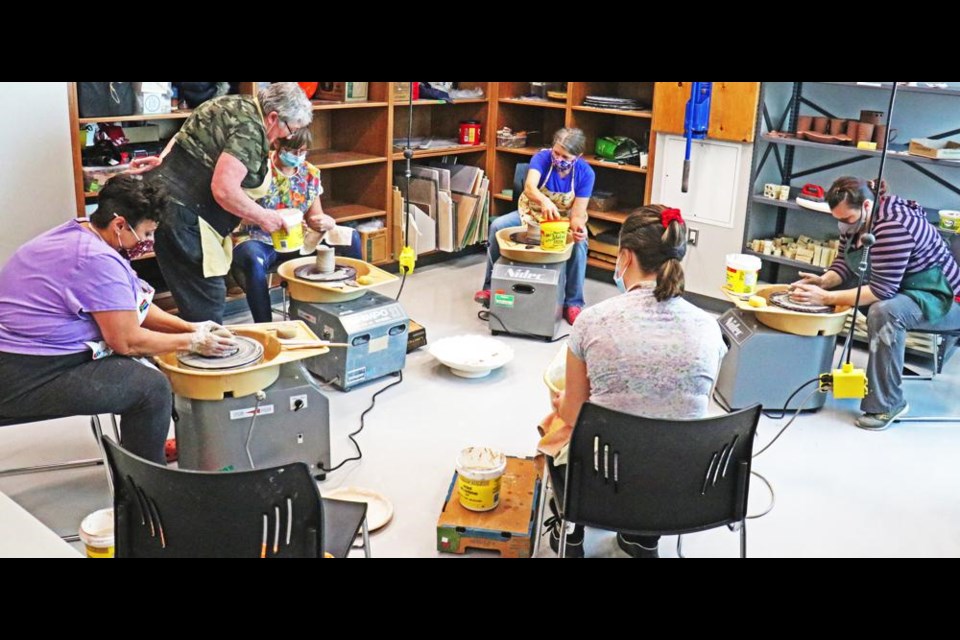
<point x="309" y="272"/>
<point x="523" y="237"/>
<point x="784" y="300"/>
<point x="250" y="352"/>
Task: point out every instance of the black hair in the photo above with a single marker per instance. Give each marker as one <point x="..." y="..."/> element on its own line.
<point x="134" y="199"/>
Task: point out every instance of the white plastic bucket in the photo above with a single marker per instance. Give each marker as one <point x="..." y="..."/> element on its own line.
<point x="290" y="237"/>
<point x="742" y="272"/>
<point x="479" y="473"/>
<point x="96" y="531"/>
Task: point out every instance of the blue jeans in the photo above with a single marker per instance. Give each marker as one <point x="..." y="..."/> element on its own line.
<point x="887" y="324"/>
<point x="576" y="265"/>
<point x="252" y="262"/>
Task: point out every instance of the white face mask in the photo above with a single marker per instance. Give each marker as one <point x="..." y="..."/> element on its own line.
<point x="848" y="228"/>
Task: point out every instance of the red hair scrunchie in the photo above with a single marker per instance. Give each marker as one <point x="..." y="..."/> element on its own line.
<point x="669" y="215"/>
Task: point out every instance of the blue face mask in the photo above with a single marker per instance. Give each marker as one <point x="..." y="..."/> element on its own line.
<point x="293" y="160"/>
<point x="618" y="279"/>
<point x="563" y="165"/>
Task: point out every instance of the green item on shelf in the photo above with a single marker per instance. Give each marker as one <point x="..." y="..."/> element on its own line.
<point x="617" y="148"/>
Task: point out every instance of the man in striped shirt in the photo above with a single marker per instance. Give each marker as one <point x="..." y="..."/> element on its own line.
<point x="913" y="282"/>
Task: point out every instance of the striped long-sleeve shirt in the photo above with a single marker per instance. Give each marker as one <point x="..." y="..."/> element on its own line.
<point x="906" y="243"/>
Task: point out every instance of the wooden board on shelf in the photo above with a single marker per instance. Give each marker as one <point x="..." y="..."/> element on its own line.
<point x="324" y="105"/>
<point x="549" y="104"/>
<point x="599" y="264"/>
<point x="447" y="151"/>
<point x="181" y="114"/>
<point x="733" y="109"/>
<point x="608" y="164"/>
<point x="331" y="158"/>
<point x="345" y="212"/>
<point x="640" y="113"/>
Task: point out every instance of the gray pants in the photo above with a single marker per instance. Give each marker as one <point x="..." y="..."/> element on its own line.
<point x="887" y="324"/>
<point x="46" y="387"/>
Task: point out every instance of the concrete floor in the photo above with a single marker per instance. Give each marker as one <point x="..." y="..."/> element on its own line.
<point x="840" y="491"/>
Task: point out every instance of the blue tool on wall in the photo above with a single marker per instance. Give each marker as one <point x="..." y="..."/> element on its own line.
<point x="696" y="122"/>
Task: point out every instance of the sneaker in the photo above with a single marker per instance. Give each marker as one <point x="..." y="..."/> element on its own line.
<point x="170" y="450"/>
<point x="570" y="314"/>
<point x="482" y="297"/>
<point x="574" y="534"/>
<point x="880" y="421"/>
<point x="635" y="549"/>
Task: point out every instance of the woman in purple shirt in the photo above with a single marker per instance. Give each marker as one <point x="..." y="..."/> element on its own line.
<point x="912" y="282"/>
<point x="74" y="316"/>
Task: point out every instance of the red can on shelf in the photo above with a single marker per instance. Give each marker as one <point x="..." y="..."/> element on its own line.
<point x="470" y="132"/>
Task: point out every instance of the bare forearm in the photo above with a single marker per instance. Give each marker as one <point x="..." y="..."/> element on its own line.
<point x="848" y="297"/>
<point x="831" y="279"/>
<point x="159" y="320"/>
<point x="144" y="342"/>
<point x="234" y="200"/>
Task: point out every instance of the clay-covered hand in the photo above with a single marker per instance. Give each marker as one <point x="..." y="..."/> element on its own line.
<point x="810" y="294"/>
<point x="549" y="211"/>
<point x="578" y="226"/>
<point x="270" y="221"/>
<point x="206" y="325"/>
<point x="142" y="165"/>
<point x="208" y="343"/>
<point x="809" y="278"/>
<point x="321" y="223"/>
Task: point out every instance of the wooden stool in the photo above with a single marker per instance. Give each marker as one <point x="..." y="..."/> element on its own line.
<point x="510" y="528"/>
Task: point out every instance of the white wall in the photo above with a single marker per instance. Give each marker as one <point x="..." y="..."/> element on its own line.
<point x="36" y="167"/>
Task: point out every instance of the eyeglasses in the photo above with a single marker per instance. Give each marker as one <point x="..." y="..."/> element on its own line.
<point x="290" y="130"/>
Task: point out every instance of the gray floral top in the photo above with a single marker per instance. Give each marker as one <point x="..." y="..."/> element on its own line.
<point x="649" y="358"/>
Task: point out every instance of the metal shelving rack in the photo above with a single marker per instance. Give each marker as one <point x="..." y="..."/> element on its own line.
<point x="783" y="152"/>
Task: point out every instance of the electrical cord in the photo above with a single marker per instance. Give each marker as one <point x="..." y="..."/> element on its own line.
<point x="486" y="314"/>
<point x="403" y="281"/>
<point x="373" y="402"/>
<point x="783" y="412"/>
<point x="787" y="426"/>
<point x="261" y="396"/>
<point x="773" y="496"/>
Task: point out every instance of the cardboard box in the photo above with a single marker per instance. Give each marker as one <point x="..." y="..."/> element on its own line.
<point x="145" y="133"/>
<point x="401" y="91"/>
<point x="938" y="149"/>
<point x="342" y="91"/>
<point x="373" y="245"/>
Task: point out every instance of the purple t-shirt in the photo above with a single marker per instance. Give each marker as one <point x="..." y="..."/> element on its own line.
<point x="51" y="285"/>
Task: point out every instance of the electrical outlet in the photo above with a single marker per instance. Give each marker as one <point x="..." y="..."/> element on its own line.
<point x="298" y="402"/>
<point x="692" y="236"/>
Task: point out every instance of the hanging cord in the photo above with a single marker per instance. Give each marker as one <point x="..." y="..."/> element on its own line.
<point x="867" y="239"/>
<point x="485" y="315"/>
<point x="373" y="402"/>
<point x="786" y="405"/>
<point x="787" y="426"/>
<point x="261" y="396"/>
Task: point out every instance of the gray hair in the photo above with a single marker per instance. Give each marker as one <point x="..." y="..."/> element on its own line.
<point x="289" y="101"/>
<point x="572" y="140"/>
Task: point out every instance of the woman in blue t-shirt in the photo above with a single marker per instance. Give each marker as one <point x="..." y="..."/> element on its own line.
<point x="559" y="185"/>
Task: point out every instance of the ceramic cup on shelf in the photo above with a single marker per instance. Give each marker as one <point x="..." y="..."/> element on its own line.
<point x="820" y="124"/>
<point x="804" y="123"/>
<point x="865" y="132"/>
<point x="880" y="135"/>
<point x="852" y="126"/>
<point x="870" y="116"/>
<point x="837" y="126"/>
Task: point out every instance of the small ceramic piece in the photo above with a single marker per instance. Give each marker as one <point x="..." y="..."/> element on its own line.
<point x="804" y="123"/>
<point x="864" y="132"/>
<point x="287" y="332"/>
<point x="822" y="138"/>
<point x="871" y="117"/>
<point x="821" y="124"/>
<point x="837" y="126"/>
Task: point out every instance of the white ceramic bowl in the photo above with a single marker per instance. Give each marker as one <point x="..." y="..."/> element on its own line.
<point x="471" y="356"/>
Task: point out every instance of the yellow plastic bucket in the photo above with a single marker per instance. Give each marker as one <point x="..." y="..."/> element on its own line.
<point x="742" y="272"/>
<point x="96" y="531"/>
<point x="479" y="473"/>
<point x="553" y="235"/>
<point x="290" y="237"/>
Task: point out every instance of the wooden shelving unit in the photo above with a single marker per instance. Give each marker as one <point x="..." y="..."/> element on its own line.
<point x="541" y="118"/>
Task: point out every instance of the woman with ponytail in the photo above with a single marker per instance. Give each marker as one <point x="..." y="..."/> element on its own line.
<point x="647" y="351"/>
